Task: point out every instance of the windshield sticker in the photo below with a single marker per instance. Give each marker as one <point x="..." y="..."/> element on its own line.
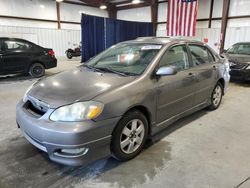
<point x="151" y="47"/>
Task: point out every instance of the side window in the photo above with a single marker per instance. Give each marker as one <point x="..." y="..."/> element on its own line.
<point x="200" y="55"/>
<point x="176" y="56"/>
<point x="15" y="45"/>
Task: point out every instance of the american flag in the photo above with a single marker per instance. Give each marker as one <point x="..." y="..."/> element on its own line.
<point x="181" y="17"/>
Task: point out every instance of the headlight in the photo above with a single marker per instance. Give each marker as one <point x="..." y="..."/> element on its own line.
<point x="78" y="111"/>
<point x="27" y="91"/>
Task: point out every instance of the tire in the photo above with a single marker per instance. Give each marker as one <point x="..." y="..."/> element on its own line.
<point x="216" y="96"/>
<point x="132" y="138"/>
<point x="69" y="55"/>
<point x="37" y="70"/>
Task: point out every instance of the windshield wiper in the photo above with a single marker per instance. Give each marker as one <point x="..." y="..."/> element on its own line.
<point x="91" y="67"/>
<point x="108" y="69"/>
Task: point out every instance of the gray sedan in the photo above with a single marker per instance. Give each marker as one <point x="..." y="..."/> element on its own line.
<point x="125" y="95"/>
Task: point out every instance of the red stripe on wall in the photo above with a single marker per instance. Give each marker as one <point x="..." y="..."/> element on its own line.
<point x="190" y="18"/>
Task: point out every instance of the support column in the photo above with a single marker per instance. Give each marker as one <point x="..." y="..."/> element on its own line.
<point x="58" y="15"/>
<point x="154" y="15"/>
<point x="226" y="4"/>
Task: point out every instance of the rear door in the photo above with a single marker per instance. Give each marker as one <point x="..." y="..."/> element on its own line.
<point x="205" y="70"/>
<point x="16" y="55"/>
<point x="175" y="93"/>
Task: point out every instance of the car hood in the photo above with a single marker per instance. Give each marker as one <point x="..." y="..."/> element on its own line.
<point x="80" y="84"/>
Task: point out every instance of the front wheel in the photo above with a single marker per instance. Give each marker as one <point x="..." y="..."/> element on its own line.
<point x="216" y="96"/>
<point x="129" y="136"/>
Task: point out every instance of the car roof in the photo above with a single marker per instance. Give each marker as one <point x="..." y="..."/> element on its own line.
<point x="10" y="38"/>
<point x="164" y="40"/>
<point x="242" y="43"/>
<point x="17" y="39"/>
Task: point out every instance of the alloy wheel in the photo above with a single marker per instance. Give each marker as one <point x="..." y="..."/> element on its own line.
<point x="217" y="94"/>
<point x="132" y="136"/>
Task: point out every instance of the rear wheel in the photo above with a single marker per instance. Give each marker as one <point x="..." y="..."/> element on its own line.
<point x="216" y="96"/>
<point x="129" y="136"/>
<point x="37" y="70"/>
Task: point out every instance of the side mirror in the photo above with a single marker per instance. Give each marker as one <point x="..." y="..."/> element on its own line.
<point x="166" y="71"/>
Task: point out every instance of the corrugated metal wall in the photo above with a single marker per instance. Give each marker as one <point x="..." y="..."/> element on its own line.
<point x="59" y="40"/>
<point x="233" y="35"/>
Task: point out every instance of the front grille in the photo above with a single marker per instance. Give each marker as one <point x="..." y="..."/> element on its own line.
<point x="36" y="107"/>
<point x="33" y="110"/>
<point x="239" y="66"/>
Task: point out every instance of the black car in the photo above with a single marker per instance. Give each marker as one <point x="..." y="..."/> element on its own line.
<point x="22" y="56"/>
<point x="239" y="58"/>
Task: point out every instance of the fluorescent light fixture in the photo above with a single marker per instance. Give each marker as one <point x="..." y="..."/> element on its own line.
<point x="81" y="12"/>
<point x="136" y="1"/>
<point x="59" y="1"/>
<point x="42" y="6"/>
<point x="103" y="7"/>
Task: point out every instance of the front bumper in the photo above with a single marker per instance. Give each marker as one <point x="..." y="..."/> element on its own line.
<point x="240" y="74"/>
<point x="54" y="137"/>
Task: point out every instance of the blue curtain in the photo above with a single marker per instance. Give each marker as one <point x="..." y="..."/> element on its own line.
<point x="93" y="34"/>
<point x="120" y="30"/>
<point x="100" y="33"/>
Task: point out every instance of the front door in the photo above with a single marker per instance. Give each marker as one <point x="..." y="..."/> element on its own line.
<point x="175" y="93"/>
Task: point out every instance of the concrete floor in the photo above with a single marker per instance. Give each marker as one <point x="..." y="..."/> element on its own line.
<point x="206" y="149"/>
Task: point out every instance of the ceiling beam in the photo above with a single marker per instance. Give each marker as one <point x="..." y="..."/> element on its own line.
<point x="94" y="3"/>
<point x="122" y="2"/>
<point x="150" y="2"/>
<point x="77" y="3"/>
<point x="132" y="6"/>
<point x="112" y="11"/>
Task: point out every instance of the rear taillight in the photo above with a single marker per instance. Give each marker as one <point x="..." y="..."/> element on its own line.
<point x="51" y="53"/>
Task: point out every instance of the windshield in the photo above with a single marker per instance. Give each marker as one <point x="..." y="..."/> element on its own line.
<point x="127" y="59"/>
<point x="243" y="49"/>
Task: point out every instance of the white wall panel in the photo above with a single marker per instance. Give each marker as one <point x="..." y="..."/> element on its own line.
<point x="161" y="30"/>
<point x="216" y="24"/>
<point x="27" y="23"/>
<point x="202" y="24"/>
<point x="217" y="10"/>
<point x="71" y="26"/>
<point x="237" y="34"/>
<point x="239" y="7"/>
<point x="42" y="9"/>
<point x="162" y="12"/>
<point x="59" y="40"/>
<point x="135" y="14"/>
<point x="203" y="9"/>
<point x="73" y="12"/>
<point x="213" y="35"/>
<point x="242" y="22"/>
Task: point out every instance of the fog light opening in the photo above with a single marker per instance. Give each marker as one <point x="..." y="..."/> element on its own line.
<point x="77" y="152"/>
